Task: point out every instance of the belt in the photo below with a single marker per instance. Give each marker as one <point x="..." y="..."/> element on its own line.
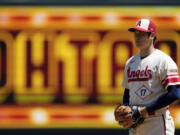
<point x="158" y="111"/>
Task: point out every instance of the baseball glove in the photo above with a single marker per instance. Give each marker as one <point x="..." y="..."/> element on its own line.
<point x="128" y="116"/>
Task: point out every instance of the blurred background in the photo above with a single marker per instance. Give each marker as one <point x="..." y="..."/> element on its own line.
<point x="62" y="61"/>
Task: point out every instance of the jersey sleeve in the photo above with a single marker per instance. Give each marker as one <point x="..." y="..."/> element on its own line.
<point x="169" y="73"/>
<point x="125" y="79"/>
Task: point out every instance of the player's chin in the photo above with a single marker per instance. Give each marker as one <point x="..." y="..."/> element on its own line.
<point x="140" y="46"/>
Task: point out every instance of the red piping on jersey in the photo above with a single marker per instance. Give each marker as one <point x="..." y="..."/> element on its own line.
<point x="164" y="124"/>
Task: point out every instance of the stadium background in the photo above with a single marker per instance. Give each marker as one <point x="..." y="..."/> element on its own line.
<point x="61" y="62"/>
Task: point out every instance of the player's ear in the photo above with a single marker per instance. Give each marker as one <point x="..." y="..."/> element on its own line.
<point x="152" y="36"/>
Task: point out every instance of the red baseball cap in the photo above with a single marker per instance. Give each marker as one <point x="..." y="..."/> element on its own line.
<point x="145" y="25"/>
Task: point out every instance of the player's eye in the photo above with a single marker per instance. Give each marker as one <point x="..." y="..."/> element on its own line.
<point x="136" y="32"/>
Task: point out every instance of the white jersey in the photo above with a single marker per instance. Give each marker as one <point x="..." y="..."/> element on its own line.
<point x="148" y="78"/>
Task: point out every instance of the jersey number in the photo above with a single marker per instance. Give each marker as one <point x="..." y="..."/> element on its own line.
<point x="143" y="92"/>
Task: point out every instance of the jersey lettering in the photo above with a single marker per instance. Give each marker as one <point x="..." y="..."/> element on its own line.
<point x="139" y="75"/>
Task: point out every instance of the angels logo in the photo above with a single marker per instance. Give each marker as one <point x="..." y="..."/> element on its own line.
<point x="139" y="75"/>
<point x="138" y="24"/>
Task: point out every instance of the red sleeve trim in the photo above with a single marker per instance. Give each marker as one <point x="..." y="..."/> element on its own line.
<point x="174" y="75"/>
<point x="170" y="80"/>
<point x="169" y="76"/>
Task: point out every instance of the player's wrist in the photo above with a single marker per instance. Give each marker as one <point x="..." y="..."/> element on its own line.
<point x="143" y="111"/>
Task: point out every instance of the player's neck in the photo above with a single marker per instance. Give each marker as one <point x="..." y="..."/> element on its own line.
<point x="147" y="51"/>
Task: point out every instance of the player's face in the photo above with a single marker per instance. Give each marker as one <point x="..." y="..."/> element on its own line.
<point x="142" y="39"/>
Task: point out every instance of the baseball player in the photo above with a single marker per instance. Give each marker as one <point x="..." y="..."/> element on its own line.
<point x="151" y="83"/>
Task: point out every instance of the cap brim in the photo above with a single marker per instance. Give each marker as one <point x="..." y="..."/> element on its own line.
<point x="137" y="28"/>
